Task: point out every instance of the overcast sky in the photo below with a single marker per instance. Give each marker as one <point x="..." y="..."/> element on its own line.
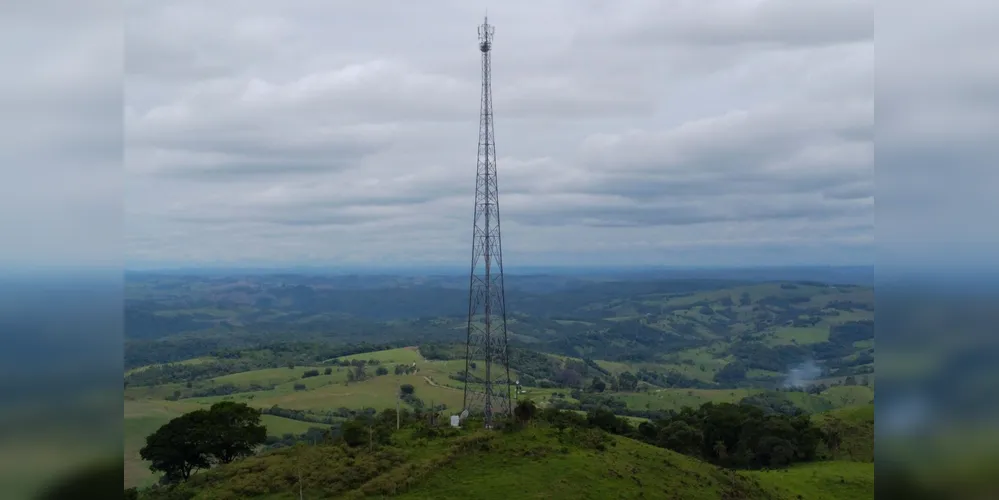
<point x="707" y="132"/>
<point x="631" y="132"/>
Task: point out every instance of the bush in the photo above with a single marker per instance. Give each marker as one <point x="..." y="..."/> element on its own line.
<point x="737" y="435"/>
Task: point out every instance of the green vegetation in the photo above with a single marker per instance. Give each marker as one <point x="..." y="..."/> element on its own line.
<point x="535" y="461"/>
<point x="550" y="453"/>
<point x="278" y="426"/>
<point x="693" y="327"/>
<point x="740" y="436"/>
<point x="819" y="481"/>
<point x="142" y="418"/>
<point x="850" y="433"/>
<point x="197" y="440"/>
<point x="312" y="358"/>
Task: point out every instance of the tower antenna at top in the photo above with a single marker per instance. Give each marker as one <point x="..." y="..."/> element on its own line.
<point x="486" y="31"/>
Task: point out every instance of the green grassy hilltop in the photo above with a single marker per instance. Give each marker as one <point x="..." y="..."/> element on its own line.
<point x="540" y="461"/>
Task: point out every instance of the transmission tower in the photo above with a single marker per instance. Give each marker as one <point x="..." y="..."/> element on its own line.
<point x="487" y="339"/>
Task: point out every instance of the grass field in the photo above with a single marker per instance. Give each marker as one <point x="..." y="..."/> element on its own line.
<point x="844" y="316"/>
<point x="787" y="335"/>
<point x="146" y="408"/>
<point x="395" y="356"/>
<point x="193" y="361"/>
<point x="279" y="426"/>
<point x="534" y="461"/>
<point x="325" y="392"/>
<point x="845" y="396"/>
<point x="152" y="391"/>
<point x="819" y="481"/>
<point x="698" y="364"/>
<point x="758" y="374"/>
<point x="267" y="376"/>
<point x="332" y="391"/>
<point x="675" y="399"/>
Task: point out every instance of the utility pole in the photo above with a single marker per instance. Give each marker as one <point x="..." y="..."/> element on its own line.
<point x="300" y="481"/>
<point x="398" y="417"/>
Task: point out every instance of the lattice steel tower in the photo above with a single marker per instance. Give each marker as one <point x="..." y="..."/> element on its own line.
<point x="489" y="390"/>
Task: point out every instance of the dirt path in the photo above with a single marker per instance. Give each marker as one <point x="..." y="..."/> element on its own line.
<point x="435" y="384"/>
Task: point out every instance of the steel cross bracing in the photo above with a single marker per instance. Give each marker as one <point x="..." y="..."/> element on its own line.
<point x="487" y="391"/>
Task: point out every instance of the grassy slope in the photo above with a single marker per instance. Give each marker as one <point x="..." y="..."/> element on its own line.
<point x="675" y="399"/>
<point x="498" y="465"/>
<point x="851" y="476"/>
<point x="857" y="429"/>
<point x="193" y="361"/>
<point x="849" y="396"/>
<point x="482" y="465"/>
<point x="627" y="470"/>
<point x="819" y="481"/>
<point x="404" y="355"/>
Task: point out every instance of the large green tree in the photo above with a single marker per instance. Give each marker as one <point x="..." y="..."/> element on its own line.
<point x="179" y="448"/>
<point x="197" y="440"/>
<point x="235" y="431"/>
<point x="627" y="381"/>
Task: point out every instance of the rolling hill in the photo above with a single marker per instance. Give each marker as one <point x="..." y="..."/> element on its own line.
<point x="294" y="346"/>
<point x="542" y="460"/>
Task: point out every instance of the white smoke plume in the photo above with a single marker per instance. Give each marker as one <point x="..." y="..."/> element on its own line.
<point x="803" y="375"/>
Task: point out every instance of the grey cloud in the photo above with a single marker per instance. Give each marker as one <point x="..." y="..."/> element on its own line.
<point x="181" y="41"/>
<point x="233" y="147"/>
<point x="937" y="152"/>
<point x="293" y="220"/>
<point x="782" y="23"/>
<point x="855" y="191"/>
<point x="567" y="100"/>
<point x="60" y="133"/>
<point x="243" y="167"/>
<point x="799" y="150"/>
<point x="223" y="160"/>
<point x="835" y="185"/>
<point x="299" y="129"/>
<point x="703" y="212"/>
<point x="728" y="142"/>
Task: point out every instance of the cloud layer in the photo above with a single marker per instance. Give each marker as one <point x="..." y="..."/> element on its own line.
<point x="634" y="132"/>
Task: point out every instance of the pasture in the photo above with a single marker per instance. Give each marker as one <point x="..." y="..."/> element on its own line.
<point x="819" y="480"/>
